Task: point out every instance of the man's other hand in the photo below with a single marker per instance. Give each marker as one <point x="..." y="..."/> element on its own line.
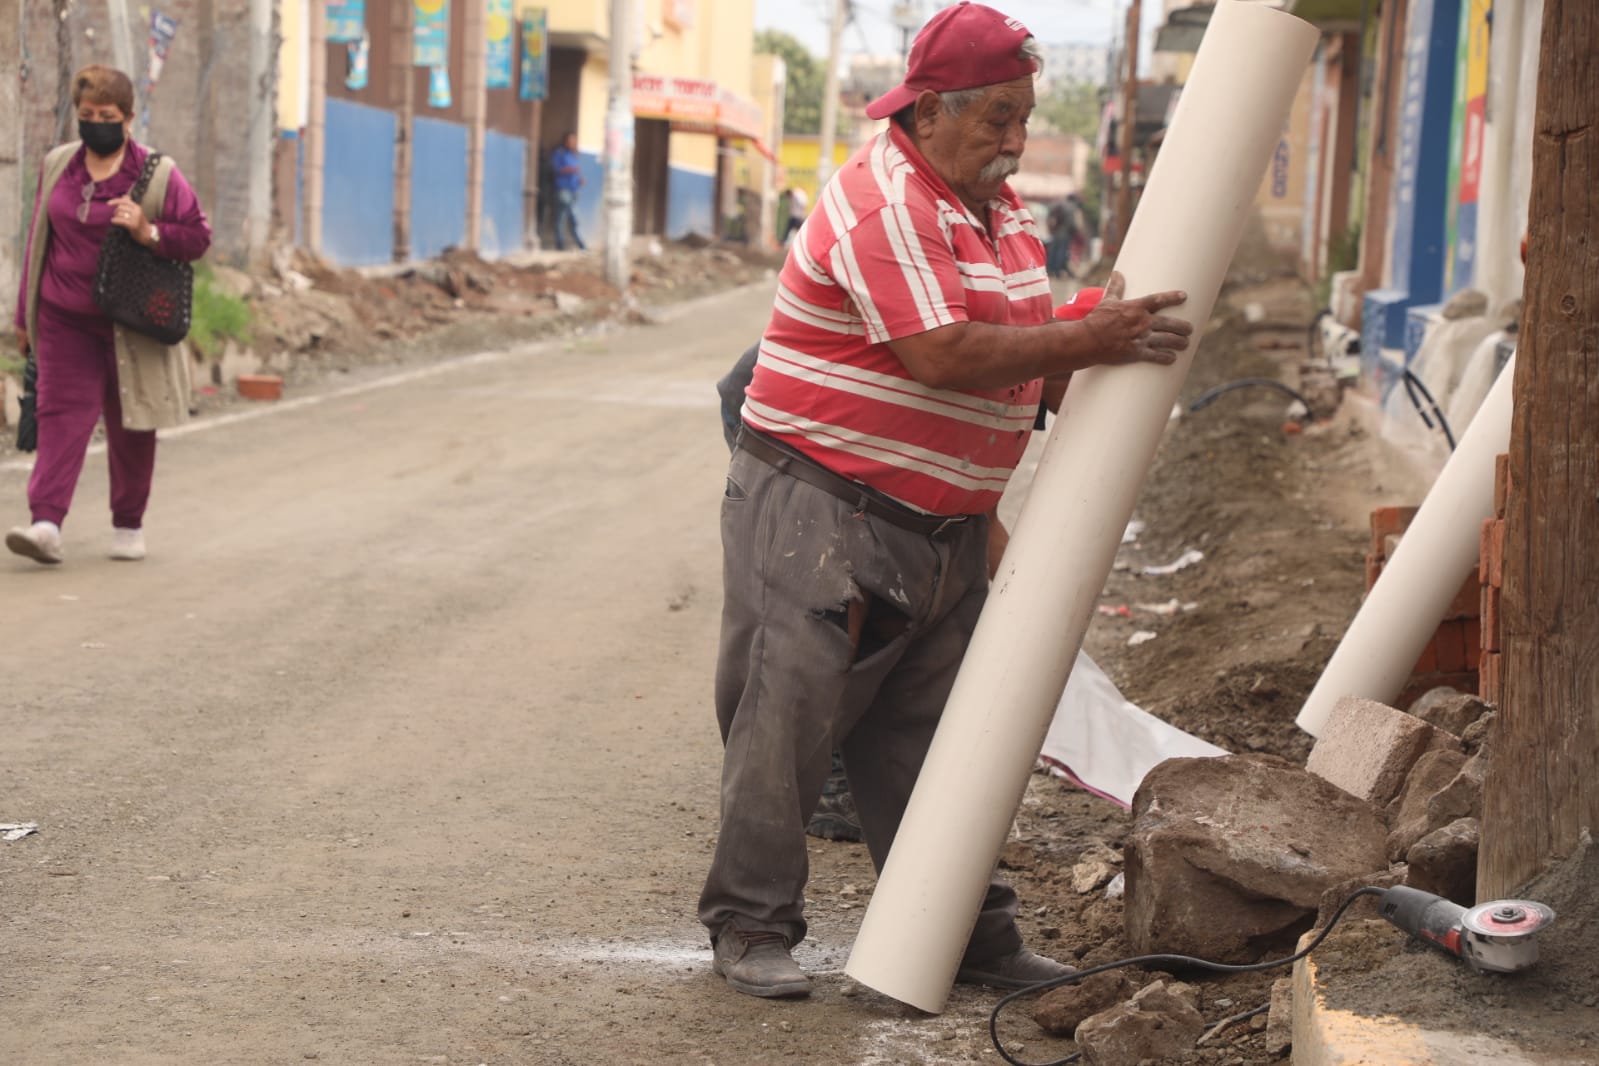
<point x="1134" y="331"/>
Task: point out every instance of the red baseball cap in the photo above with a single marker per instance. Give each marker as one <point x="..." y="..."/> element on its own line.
<point x="961" y="47"/>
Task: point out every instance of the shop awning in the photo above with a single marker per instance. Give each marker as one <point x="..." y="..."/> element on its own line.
<point x="699" y="105"/>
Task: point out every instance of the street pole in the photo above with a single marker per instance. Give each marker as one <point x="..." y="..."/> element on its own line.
<point x="12" y="209"/>
<point x="619" y="149"/>
<point x="402" y="90"/>
<point x="316" y="69"/>
<point x="835" y="46"/>
<point x="1124" y="191"/>
<point x="262" y="60"/>
<point x="474" y="102"/>
<point x="1542" y="785"/>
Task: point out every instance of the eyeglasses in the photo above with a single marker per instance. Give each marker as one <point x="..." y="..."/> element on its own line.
<point x="88" y="197"/>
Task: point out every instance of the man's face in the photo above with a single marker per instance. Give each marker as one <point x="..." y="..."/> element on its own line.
<point x="978" y="149"/>
<point x="571" y="142"/>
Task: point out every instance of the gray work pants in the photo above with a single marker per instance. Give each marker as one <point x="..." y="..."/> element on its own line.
<point x="790" y="683"/>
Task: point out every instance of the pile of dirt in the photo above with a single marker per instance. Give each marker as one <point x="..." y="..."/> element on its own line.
<point x="326" y="312"/>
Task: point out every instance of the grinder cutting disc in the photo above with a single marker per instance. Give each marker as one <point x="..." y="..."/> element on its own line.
<point x="1499" y="935"/>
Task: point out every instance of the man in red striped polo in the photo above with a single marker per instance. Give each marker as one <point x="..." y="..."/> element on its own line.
<point x="897" y="382"/>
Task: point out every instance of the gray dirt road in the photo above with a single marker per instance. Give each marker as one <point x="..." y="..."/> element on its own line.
<point x="398" y="748"/>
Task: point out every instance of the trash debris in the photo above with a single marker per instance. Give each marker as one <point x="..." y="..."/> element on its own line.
<point x="1134" y="530"/>
<point x="1117" y="887"/>
<point x="17" y="830"/>
<point x="1143" y="636"/>
<point x="1167" y="609"/>
<point x="92" y="645"/>
<point x="1182" y="562"/>
<point x="1121" y="610"/>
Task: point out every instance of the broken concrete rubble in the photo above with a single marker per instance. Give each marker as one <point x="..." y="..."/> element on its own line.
<point x="1229" y="856"/>
<point x="1061" y="1010"/>
<point x="1367" y="748"/>
<point x="1445" y="862"/>
<point x="1159" y="1024"/>
<point x="1280" y="1019"/>
<point x="1448" y="709"/>
<point x="1408" y="815"/>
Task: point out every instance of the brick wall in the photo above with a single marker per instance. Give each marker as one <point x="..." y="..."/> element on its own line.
<point x="1491" y="579"/>
<point x="200" y="109"/>
<point x="1453" y="655"/>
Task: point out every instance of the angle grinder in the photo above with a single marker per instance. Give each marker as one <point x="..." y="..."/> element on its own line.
<point x="1495" y="937"/>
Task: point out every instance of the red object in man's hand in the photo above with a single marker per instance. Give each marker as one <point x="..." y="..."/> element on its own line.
<point x="1083" y="301"/>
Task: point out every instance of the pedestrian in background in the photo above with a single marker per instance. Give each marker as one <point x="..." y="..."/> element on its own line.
<point x="799" y="205"/>
<point x="87" y="365"/>
<point x="568" y="180"/>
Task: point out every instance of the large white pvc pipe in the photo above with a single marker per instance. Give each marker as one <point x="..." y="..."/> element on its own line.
<point x="1404" y="607"/>
<point x="1200" y="194"/>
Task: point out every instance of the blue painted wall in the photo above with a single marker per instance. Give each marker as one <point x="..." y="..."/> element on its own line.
<point x="438" y="187"/>
<point x="358" y="187"/>
<point x="504" y="161"/>
<point x="690" y="203"/>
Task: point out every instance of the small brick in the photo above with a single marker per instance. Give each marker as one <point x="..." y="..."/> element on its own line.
<point x="1501" y="483"/>
<point x="1491" y="678"/>
<point x="1496" y="554"/>
<point x="1373" y="570"/>
<point x="1428" y="663"/>
<point x="1473" y="643"/>
<point x="1367" y="748"/>
<point x="1387" y="522"/>
<point x="1492" y="635"/>
<point x="1467" y="601"/>
<point x="1450" y="642"/>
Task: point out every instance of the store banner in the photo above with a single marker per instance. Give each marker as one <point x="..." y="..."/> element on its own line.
<point x="432" y="34"/>
<point x="346" y="22"/>
<point x="535" y="54"/>
<point x="439" y="87"/>
<point x="497" y="54"/>
<point x="359" y="51"/>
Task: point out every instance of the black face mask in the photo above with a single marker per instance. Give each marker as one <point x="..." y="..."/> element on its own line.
<point x="102" y="138"/>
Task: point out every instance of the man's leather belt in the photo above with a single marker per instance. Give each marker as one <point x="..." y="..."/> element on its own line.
<point x="862" y="498"/>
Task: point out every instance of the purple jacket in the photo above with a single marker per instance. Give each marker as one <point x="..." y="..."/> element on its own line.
<point x="67" y="280"/>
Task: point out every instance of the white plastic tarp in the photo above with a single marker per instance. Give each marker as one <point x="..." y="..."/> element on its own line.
<point x="1101" y="740"/>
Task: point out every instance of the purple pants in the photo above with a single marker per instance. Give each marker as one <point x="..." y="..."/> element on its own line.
<point x="77" y="382"/>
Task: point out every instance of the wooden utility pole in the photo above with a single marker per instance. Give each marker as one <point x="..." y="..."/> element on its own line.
<point x="1124" y="192"/>
<point x="402" y="90"/>
<point x="1542" y="786"/>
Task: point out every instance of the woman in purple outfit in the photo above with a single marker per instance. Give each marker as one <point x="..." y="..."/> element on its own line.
<point x="89" y="366"/>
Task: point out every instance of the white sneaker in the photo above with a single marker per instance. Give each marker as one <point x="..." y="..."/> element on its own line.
<point x="40" y="542"/>
<point x="127" y="544"/>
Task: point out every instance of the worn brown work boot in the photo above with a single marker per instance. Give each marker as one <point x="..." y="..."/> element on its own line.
<point x="758" y="964"/>
<point x="1019" y="969"/>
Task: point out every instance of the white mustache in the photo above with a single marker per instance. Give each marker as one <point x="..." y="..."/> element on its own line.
<point x="1001" y="168"/>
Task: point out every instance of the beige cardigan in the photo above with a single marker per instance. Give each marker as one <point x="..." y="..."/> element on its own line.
<point x="156" y="380"/>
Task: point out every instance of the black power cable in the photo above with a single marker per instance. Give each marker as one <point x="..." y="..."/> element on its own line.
<point x="1211" y="395"/>
<point x="1156" y="960"/>
<point x="1412" y="384"/>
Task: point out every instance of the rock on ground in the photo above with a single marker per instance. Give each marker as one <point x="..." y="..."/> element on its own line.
<point x="1063" y="1009"/>
<point x="1159" y="1024"/>
<point x="1368" y="748"/>
<point x="1445" y="862"/>
<point x="1228" y="857"/>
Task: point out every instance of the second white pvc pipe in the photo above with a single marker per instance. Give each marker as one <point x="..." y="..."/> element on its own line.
<point x="1199" y="196"/>
<point x="1415" y="588"/>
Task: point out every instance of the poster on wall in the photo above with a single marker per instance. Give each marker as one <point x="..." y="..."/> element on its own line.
<point x="346" y="21"/>
<point x="439" y="87"/>
<point x="535" y="54"/>
<point x="432" y="34"/>
<point x="497" y="54"/>
<point x="162" y="30"/>
<point x="358" y="50"/>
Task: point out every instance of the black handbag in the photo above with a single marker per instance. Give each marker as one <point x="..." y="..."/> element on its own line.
<point x="139" y="289"/>
<point x="27" y="418"/>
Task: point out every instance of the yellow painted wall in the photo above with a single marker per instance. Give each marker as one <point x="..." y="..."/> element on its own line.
<point x="291" y="64"/>
<point x="579" y="16"/>
<point x="800" y="154"/>
<point x="593" y="94"/>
